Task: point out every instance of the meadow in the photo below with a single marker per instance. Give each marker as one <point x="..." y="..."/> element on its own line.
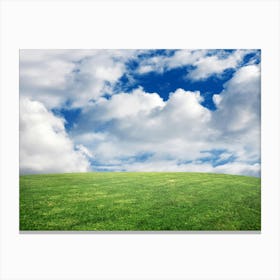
<point x="139" y="201"/>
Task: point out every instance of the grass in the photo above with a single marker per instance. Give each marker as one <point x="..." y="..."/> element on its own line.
<point x="139" y="201"/>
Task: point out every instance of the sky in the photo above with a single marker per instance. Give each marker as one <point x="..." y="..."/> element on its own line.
<point x="140" y="110"/>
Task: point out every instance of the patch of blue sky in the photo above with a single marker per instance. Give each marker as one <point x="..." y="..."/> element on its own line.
<point x="98" y="126"/>
<point x="103" y="167"/>
<point x="107" y="169"/>
<point x="254" y="57"/>
<point x="156" y="52"/>
<point x="169" y="81"/>
<point x="140" y="157"/>
<point x="97" y="165"/>
<point x="214" y="157"/>
<point x="183" y="162"/>
<point x="163" y="83"/>
<point x="220" y="53"/>
<point x="133" y="64"/>
<point x="70" y="116"/>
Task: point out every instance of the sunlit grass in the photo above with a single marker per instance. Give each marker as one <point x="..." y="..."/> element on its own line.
<point x="139" y="201"/>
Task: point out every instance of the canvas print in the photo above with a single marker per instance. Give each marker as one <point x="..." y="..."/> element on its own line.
<point x="140" y="140"/>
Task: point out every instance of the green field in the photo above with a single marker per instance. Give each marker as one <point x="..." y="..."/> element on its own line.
<point x="137" y="201"/>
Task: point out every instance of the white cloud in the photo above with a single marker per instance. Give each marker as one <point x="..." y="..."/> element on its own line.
<point x="173" y="166"/>
<point x="117" y="133"/>
<point x="238" y="115"/>
<point x="76" y="77"/>
<point x="44" y="145"/>
<point x="178" y="129"/>
<point x="239" y="168"/>
<point x="84" y="150"/>
<point x="204" y="64"/>
<point x="162" y="62"/>
<point x="58" y="76"/>
<point x="212" y="65"/>
<point x="124" y="105"/>
<point x="239" y="104"/>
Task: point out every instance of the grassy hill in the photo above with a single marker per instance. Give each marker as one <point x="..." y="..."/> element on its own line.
<point x="139" y="201"/>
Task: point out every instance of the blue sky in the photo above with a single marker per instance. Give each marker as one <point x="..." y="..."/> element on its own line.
<point x="140" y="110"/>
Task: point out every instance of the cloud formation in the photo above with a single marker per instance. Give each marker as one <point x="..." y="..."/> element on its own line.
<point x="45" y="146"/>
<point x="177" y="133"/>
<point x="137" y="130"/>
<point x="203" y="63"/>
<point x="70" y="77"/>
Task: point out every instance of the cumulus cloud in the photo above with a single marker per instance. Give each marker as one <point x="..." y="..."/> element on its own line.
<point x="44" y="145"/>
<point x="238" y="115"/>
<point x="177" y="133"/>
<point x="141" y="122"/>
<point x="239" y="105"/>
<point x="124" y="105"/>
<point x="137" y="130"/>
<point x="75" y="77"/>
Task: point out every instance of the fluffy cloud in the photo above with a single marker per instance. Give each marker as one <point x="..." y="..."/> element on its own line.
<point x="44" y="145"/>
<point x="137" y="130"/>
<point x="124" y="105"/>
<point x="203" y="64"/>
<point x="215" y="64"/>
<point x="75" y="77"/>
<point x="238" y="115"/>
<point x="239" y="107"/>
<point x="141" y="122"/>
<point x="180" y="58"/>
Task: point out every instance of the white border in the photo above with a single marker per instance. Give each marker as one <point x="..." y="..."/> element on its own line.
<point x="153" y="24"/>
